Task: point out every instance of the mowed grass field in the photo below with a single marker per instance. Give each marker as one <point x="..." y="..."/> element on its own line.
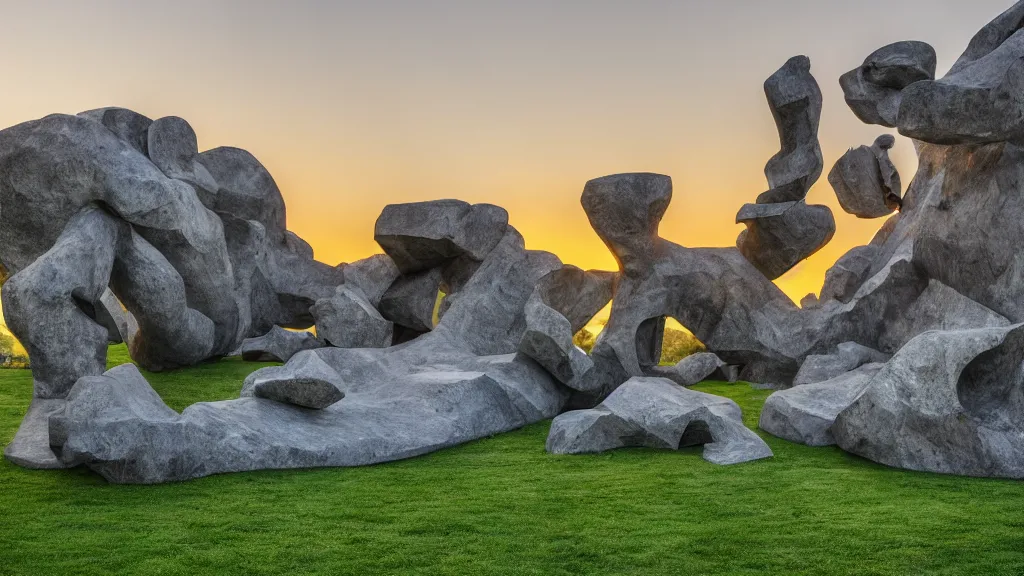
<point x="504" y="506"/>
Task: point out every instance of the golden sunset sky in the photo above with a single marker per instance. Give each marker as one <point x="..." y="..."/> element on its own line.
<point x="355" y="105"/>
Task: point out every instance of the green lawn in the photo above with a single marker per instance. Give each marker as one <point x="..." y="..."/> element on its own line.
<point x="504" y="506"/>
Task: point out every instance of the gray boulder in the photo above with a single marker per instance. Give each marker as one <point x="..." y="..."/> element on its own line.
<point x="845" y="277"/>
<point x="423" y="235"/>
<point x="373" y="275"/>
<point x="278" y="345"/>
<point x="691" y="370"/>
<point x="548" y="340"/>
<point x="576" y="294"/>
<point x="656" y="413"/>
<point x="307" y="382"/>
<point x="865" y="180"/>
<point x="173" y="147"/>
<point x="948" y="402"/>
<point x="399" y="402"/>
<point x="247" y="190"/>
<point x="848" y="357"/>
<point x="411" y="300"/>
<point x="113" y="317"/>
<point x="874" y="90"/>
<point x="131" y="127"/>
<point x="979" y="100"/>
<point x="347" y="320"/>
<point x="805" y="414"/>
<point x="780" y="236"/>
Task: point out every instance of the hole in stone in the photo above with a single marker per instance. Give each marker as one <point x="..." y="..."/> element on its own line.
<point x="985" y="386"/>
<point x="677" y="343"/>
<point x="697" y="433"/>
<point x="649" y="341"/>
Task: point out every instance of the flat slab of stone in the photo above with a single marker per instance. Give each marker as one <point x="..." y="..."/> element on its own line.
<point x="305" y="381"/>
<point x="278" y="345"/>
<point x="657" y="413"/>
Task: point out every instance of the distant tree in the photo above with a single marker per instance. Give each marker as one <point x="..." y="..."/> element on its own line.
<point x="679" y="344"/>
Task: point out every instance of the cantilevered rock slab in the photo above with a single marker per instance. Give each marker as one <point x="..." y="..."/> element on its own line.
<point x="278" y="345"/>
<point x="306" y="381"/>
<point x="423" y="235"/>
<point x="656" y="413"/>
<point x="805" y="414"/>
<point x="780" y="236"/>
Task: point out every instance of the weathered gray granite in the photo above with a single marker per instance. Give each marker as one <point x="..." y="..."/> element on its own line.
<point x="691" y="370"/>
<point x="874" y="90"/>
<point x="847" y="357"/>
<point x="278" y="345"/>
<point x="307" y="382"/>
<point x="948" y="402"/>
<point x="866" y="181"/>
<point x="657" y="413"/>
<point x="31" y="445"/>
<point x="348" y="320"/>
<point x="804" y="414"/>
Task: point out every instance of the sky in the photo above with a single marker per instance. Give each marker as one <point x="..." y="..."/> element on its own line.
<point x="355" y="105"/>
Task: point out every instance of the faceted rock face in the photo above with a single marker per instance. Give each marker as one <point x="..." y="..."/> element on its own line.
<point x="576" y="294"/>
<point x="423" y="235"/>
<point x="625" y="211"/>
<point x="848" y="357"/>
<point x="874" y="90"/>
<point x="247" y="190"/>
<point x="373" y="275"/>
<point x="866" y="182"/>
<point x="782" y="229"/>
<point x="307" y="382"/>
<point x="780" y="236"/>
<point x="548" y="341"/>
<point x="979" y="101"/>
<point x="848" y="273"/>
<point x="939" y="307"/>
<point x="795" y="100"/>
<point x="31" y="445"/>
<point x="347" y="320"/>
<point x="111" y="315"/>
<point x="948" y="402"/>
<point x="131" y="127"/>
<point x="691" y="370"/>
<point x="173" y="148"/>
<point x="399" y="402"/>
<point x="410" y="301"/>
<point x="805" y="414"/>
<point x="278" y="345"/>
<point x="656" y="413"/>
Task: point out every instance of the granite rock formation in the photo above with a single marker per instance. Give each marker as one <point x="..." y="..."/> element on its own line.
<point x="656" y="413"/>
<point x="865" y="180"/>
<point x="278" y="345"/>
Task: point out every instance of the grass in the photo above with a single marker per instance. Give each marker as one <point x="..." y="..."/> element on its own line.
<point x="504" y="506"/>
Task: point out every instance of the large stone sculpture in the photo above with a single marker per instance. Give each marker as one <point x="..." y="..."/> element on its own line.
<point x="782" y="229"/>
<point x="114" y="226"/>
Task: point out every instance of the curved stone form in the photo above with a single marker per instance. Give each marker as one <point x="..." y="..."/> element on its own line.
<point x="805" y="414"/>
<point x="691" y="370"/>
<point x="278" y="345"/>
<point x="874" y="90"/>
<point x="848" y="357"/>
<point x="656" y="413"/>
<point x="780" y="236"/>
<point x="782" y="229"/>
<point x="948" y="402"/>
<point x="866" y="181"/>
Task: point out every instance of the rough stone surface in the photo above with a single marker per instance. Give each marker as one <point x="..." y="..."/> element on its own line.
<point x="656" y="413"/>
<point x="373" y="275"/>
<point x="874" y="90"/>
<point x="423" y="235"/>
<point x="625" y="211"/>
<point x="548" y="340"/>
<point x="691" y="370"/>
<point x="307" y="382"/>
<point x="31" y="445"/>
<point x="780" y="236"/>
<point x="948" y="402"/>
<point x="347" y="320"/>
<point x="173" y="148"/>
<point x="848" y="357"/>
<point x="795" y="100"/>
<point x="576" y="294"/>
<point x="410" y="301"/>
<point x="111" y="315"/>
<point x="131" y="127"/>
<point x="866" y="181"/>
<point x="278" y="345"/>
<point x="848" y="273"/>
<point x="399" y="402"/>
<point x="805" y="414"/>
